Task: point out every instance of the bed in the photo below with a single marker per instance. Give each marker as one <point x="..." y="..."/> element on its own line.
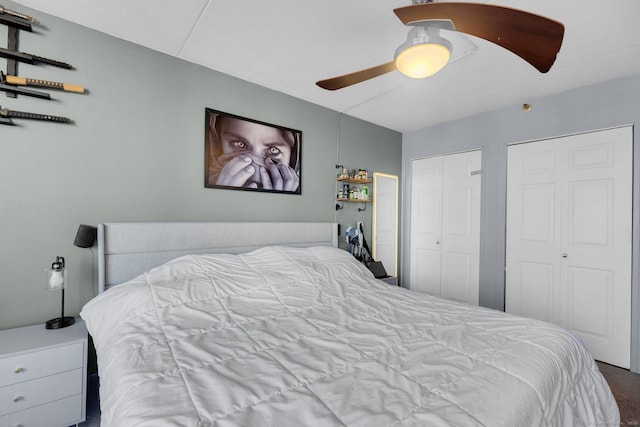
<point x="259" y="324"/>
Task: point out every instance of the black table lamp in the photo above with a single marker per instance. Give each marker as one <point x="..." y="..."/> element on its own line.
<point x="55" y="279"/>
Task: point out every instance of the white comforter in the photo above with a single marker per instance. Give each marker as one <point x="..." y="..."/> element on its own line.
<point x="307" y="337"/>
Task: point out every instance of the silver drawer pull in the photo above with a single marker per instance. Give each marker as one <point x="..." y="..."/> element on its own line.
<point x="17" y="399"/>
<point x="18" y="370"/>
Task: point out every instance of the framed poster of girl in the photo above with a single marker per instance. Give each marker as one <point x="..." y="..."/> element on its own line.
<point x="246" y="154"/>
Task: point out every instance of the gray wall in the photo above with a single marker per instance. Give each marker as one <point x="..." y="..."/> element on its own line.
<point x="135" y="153"/>
<point x="610" y="104"/>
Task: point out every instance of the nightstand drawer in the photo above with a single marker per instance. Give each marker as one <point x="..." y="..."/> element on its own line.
<point x="28" y="366"/>
<point x="60" y="413"/>
<point x="18" y="397"/>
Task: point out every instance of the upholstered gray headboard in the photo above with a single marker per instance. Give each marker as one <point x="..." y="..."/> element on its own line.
<point x="126" y="250"/>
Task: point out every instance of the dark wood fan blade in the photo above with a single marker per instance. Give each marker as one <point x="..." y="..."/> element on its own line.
<point x="357" y="77"/>
<point x="534" y="38"/>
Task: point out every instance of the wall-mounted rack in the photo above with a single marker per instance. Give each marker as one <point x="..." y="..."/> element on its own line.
<point x="11" y="82"/>
<point x="361" y="198"/>
<point x="12" y="64"/>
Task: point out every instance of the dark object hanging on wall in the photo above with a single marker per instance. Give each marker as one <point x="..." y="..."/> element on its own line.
<point x="32" y="116"/>
<point x="31" y="59"/>
<point x="26" y="81"/>
<point x="86" y="236"/>
<point x="12" y="64"/>
<point x="12" y="13"/>
<point x="20" y="91"/>
<point x="15" y="23"/>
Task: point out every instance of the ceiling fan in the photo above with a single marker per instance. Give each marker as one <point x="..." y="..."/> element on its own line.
<point x="534" y="38"/>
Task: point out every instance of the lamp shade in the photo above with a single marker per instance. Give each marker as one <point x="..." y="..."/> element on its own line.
<point x="56" y="276"/>
<point x="423" y="54"/>
<point x="86" y="236"/>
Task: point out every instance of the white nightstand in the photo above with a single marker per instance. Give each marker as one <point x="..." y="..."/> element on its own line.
<point x="43" y="376"/>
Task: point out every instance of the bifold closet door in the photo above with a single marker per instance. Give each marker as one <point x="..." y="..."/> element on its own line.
<point x="445" y="225"/>
<point x="569" y="218"/>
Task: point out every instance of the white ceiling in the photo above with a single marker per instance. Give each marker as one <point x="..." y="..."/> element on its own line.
<point x="287" y="45"/>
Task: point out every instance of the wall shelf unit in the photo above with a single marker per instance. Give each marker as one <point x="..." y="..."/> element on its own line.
<point x="348" y="182"/>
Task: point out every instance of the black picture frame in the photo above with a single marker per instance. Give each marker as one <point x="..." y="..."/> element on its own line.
<point x="250" y="155"/>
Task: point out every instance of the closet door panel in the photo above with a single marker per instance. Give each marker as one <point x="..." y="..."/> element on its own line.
<point x="569" y="206"/>
<point x="426" y="224"/>
<point x="537" y="214"/>
<point x="461" y="226"/>
<point x="536" y="287"/>
<point x="426" y="272"/>
<point x="597" y="241"/>
<point x="591" y="213"/>
<point x="590" y="293"/>
<point x="533" y="256"/>
<point x="457" y="283"/>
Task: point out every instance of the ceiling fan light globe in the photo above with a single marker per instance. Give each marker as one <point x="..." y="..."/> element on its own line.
<point x="422" y="60"/>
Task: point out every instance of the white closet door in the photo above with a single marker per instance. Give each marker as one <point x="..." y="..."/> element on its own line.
<point x="460" y="264"/>
<point x="569" y="211"/>
<point x="534" y="249"/>
<point x="445" y="226"/>
<point x="426" y="224"/>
